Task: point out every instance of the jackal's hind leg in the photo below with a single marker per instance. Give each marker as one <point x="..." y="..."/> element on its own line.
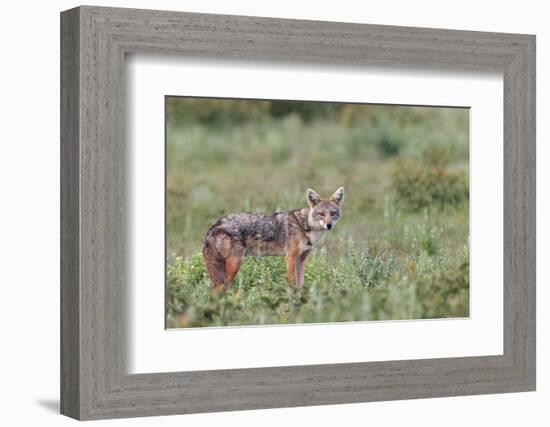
<point x="232" y="266"/>
<point x="215" y="265"/>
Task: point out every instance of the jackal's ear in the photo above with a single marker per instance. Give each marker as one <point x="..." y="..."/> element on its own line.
<point x="338" y="196"/>
<point x="312" y="198"/>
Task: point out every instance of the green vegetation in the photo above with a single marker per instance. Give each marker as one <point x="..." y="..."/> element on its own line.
<point x="400" y="250"/>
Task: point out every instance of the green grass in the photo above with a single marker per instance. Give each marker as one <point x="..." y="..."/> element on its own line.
<point x="400" y="250"/>
<point x="357" y="286"/>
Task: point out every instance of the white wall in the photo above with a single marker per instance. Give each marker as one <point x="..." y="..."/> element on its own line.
<point x="29" y="226"/>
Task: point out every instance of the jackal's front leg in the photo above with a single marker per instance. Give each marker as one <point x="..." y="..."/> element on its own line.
<point x="300" y="268"/>
<point x="291" y="267"/>
<point x="295" y="268"/>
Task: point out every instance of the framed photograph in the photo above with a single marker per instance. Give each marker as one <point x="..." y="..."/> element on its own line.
<point x="261" y="213"/>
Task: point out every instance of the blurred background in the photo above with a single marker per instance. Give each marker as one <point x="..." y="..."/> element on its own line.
<point x="405" y="173"/>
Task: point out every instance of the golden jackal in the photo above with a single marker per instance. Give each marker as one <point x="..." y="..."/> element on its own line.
<point x="292" y="234"/>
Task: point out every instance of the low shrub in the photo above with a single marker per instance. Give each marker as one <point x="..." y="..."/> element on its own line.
<point x="388" y="141"/>
<point x="422" y="185"/>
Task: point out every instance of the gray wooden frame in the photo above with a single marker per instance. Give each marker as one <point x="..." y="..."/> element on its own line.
<point x="94" y="41"/>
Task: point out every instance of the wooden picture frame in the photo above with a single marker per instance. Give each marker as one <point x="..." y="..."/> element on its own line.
<point x="94" y="382"/>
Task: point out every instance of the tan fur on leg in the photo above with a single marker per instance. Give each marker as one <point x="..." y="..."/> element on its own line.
<point x="300" y="269"/>
<point x="232" y="266"/>
<point x="291" y="268"/>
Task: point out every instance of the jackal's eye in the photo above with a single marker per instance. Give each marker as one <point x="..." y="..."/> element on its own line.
<point x="333" y="213"/>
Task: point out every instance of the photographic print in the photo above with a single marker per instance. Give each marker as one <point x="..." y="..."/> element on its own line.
<point x="292" y="212"/>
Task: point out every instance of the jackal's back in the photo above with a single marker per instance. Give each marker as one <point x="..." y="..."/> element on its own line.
<point x="258" y="234"/>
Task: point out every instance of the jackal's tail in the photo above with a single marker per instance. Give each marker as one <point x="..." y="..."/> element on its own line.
<point x="215" y="264"/>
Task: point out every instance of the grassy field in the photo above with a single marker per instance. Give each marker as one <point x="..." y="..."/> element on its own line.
<point x="400" y="250"/>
